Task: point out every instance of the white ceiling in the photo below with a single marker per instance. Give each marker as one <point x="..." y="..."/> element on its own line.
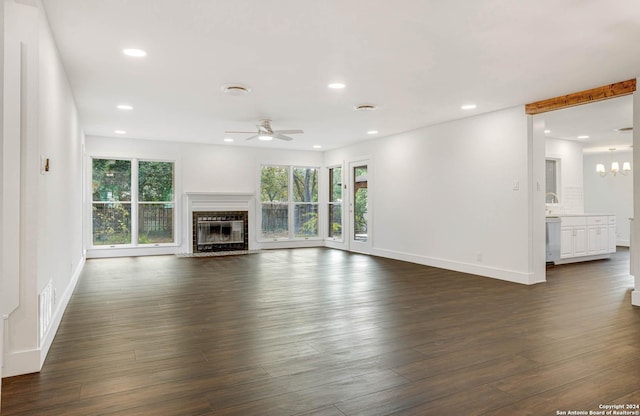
<point x="598" y="120"/>
<point x="417" y="60"/>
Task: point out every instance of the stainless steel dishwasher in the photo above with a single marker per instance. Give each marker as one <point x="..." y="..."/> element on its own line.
<point x="553" y="239"/>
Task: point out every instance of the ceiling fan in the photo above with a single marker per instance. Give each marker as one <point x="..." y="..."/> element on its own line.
<point x="265" y="132"/>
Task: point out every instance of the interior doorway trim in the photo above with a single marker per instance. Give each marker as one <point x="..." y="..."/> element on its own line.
<point x="583" y="97"/>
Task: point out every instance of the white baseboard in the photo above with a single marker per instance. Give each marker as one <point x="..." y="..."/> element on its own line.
<point x="485" y="271"/>
<point x="21" y="362"/>
<point x="635" y="297"/>
<point x="31" y="361"/>
<point x="61" y="306"/>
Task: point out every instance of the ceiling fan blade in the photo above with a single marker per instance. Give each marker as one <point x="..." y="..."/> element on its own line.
<point x="241" y="132"/>
<point x="296" y="131"/>
<point x="281" y="137"/>
<point x="252" y="137"/>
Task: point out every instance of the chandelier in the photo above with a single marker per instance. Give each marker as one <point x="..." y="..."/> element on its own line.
<point x="615" y="167"/>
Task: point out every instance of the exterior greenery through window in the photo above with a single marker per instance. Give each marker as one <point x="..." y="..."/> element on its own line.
<point x="289" y="202"/>
<point x="361" y="196"/>
<point x="335" y="203"/>
<point x="132" y="202"/>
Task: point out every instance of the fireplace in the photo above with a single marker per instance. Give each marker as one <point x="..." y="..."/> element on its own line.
<point x="220" y="231"/>
<point x="212" y="221"/>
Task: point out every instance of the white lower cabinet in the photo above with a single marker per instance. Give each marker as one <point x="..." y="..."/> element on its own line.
<point x="613" y="234"/>
<point x="598" y="235"/>
<point x="573" y="237"/>
<point x="589" y="235"/>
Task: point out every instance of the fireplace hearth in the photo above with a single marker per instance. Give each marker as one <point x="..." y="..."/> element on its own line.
<point x="220" y="231"/>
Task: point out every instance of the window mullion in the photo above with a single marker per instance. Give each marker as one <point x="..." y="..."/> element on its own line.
<point x="134" y="202"/>
<point x="291" y="205"/>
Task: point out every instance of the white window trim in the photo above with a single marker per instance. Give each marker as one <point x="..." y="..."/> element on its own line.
<point x="126" y="249"/>
<point x="330" y="203"/>
<point x="290" y="205"/>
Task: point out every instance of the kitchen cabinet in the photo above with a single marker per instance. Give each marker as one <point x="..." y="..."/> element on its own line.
<point x="597" y="235"/>
<point x="613" y="234"/>
<point x="587" y="237"/>
<point x="573" y="237"/>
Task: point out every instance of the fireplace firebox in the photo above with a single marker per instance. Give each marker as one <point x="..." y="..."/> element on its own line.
<point x="220" y="231"/>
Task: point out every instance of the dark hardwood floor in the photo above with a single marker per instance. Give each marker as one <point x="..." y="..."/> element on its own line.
<point x="330" y="333"/>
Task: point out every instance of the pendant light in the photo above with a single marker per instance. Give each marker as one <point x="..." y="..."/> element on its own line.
<point x="615" y="167"/>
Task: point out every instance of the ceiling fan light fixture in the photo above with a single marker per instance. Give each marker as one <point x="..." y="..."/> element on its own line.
<point x="265" y="137"/>
<point x="235" y="89"/>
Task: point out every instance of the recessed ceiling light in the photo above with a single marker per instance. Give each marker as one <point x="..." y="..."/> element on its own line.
<point x="138" y="53"/>
<point x="317" y="146"/>
<point x="228" y="139"/>
<point x="372" y="132"/>
<point x="468" y="107"/>
<point x="365" y="107"/>
<point x="120" y="132"/>
<point x="336" y="85"/>
<point x="235" y="89"/>
<point x="547" y="131"/>
<point x="583" y="137"/>
<point x="125" y="107"/>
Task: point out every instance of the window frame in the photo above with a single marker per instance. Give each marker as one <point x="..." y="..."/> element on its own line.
<point x="290" y="203"/>
<point x="558" y="171"/>
<point x="134" y="203"/>
<point x="331" y="204"/>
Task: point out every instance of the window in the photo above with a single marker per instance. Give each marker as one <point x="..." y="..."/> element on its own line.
<point x="305" y="202"/>
<point x="551" y="181"/>
<point x="335" y="203"/>
<point x="111" y="205"/>
<point x="289" y="202"/>
<point x="155" y="202"/>
<point x="360" y="203"/>
<point x="274" y="197"/>
<point x="130" y="211"/>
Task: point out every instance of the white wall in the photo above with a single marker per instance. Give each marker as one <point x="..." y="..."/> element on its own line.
<point x="444" y="195"/>
<point x="609" y="194"/>
<point x="571" y="181"/>
<point x="44" y="123"/>
<point x="635" y="232"/>
<point x="3" y="310"/>
<point x="200" y="168"/>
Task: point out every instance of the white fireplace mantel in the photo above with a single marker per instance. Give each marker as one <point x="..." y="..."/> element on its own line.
<point x="218" y="201"/>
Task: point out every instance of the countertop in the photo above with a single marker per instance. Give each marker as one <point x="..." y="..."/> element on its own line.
<point x="589" y="214"/>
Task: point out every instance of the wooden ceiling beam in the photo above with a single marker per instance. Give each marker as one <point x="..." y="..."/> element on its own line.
<point x="583" y="97"/>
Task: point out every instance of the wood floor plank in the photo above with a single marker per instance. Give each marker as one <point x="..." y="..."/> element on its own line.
<point x="321" y="332"/>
